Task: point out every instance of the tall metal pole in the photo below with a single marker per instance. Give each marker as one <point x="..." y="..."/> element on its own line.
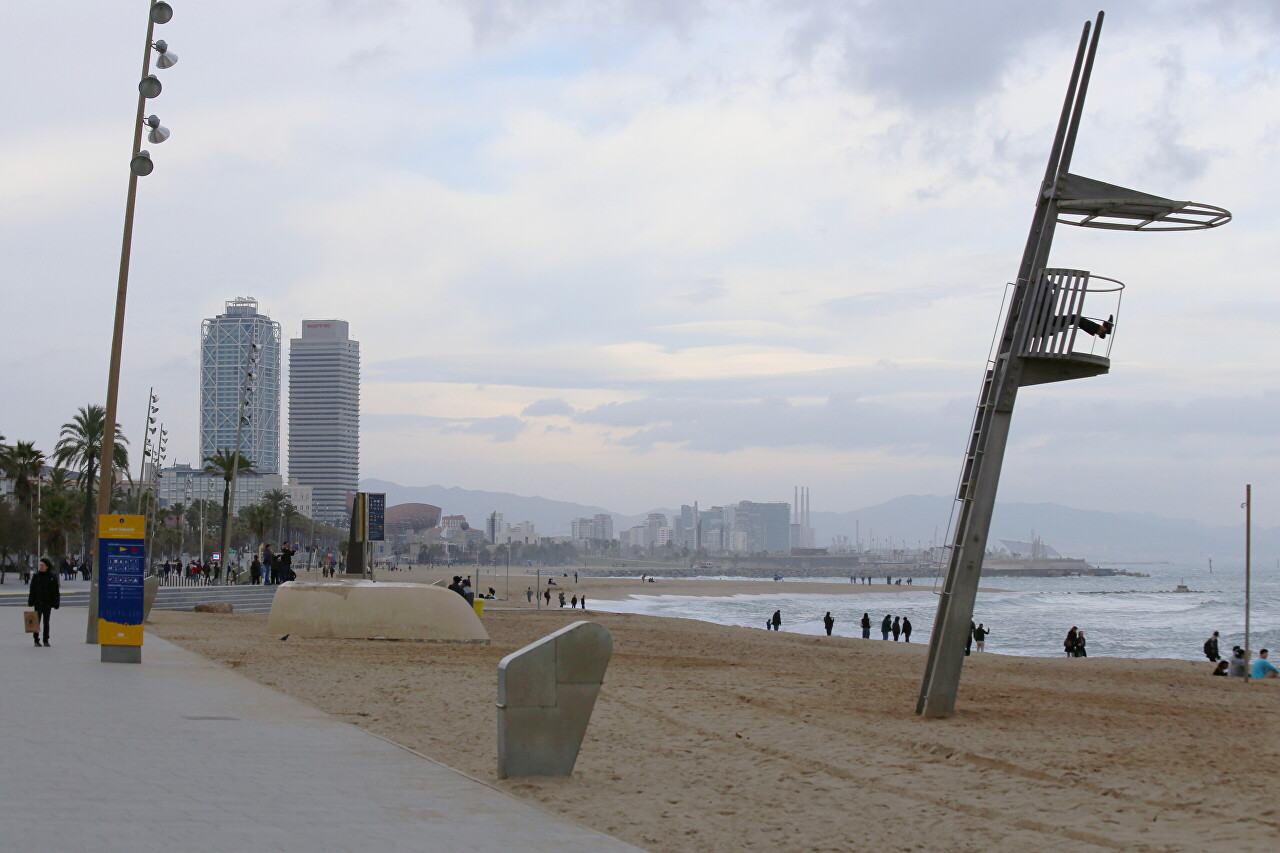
<point x="106" y="464"/>
<point x="1248" y="553"/>
<point x="981" y="476"/>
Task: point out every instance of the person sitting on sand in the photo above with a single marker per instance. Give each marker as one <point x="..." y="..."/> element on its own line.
<point x="1237" y="667"/>
<point x="1263" y="668"/>
<point x="829" y="622"/>
<point x="1221" y="668"/>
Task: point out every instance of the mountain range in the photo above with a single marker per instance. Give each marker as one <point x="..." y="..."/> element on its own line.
<point x="913" y="520"/>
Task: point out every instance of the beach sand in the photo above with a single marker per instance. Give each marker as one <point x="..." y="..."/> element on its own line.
<point x="616" y="589"/>
<point x="714" y="738"/>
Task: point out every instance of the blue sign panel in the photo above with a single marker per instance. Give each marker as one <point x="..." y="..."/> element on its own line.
<point x="122" y="563"/>
<point x="377" y="516"/>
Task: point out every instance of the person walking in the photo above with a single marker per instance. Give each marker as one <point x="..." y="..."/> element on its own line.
<point x="528" y="595"/>
<point x="896" y="628"/>
<point x="906" y="629"/>
<point x="44" y="596"/>
<point x="562" y="598"/>
<point x="885" y="625"/>
<point x="1069" y="644"/>
<point x="547" y="595"/>
<point x="866" y="626"/>
<point x="980" y="636"/>
<point x="1211" y="648"/>
<point x="573" y="603"/>
<point x="829" y="622"/>
<point x="777" y="620"/>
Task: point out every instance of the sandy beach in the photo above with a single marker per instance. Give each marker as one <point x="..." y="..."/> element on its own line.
<point x="715" y="738"/>
<point x="617" y="589"/>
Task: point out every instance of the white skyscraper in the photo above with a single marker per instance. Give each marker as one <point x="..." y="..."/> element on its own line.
<point x="324" y="415"/>
<point x="225" y="342"/>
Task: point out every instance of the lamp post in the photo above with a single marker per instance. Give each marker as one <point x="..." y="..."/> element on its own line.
<point x="158" y="12"/>
<point x="246" y="392"/>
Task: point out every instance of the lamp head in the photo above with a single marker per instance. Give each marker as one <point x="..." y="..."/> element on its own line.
<point x="141" y="164"/>
<point x="149" y="86"/>
<point x="167" y="58"/>
<point x="161" y="13"/>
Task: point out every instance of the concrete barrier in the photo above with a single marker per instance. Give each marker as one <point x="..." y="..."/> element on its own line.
<point x="368" y="610"/>
<point x="546" y="693"/>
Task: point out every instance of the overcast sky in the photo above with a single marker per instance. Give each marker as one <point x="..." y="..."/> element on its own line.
<point x="641" y="252"/>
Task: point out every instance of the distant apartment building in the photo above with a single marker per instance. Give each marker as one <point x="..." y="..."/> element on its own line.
<point x="226" y="343"/>
<point x="764" y="526"/>
<point x="185" y="483"/>
<point x="324" y="415"/>
<point x="602" y="527"/>
<point x="494" y="526"/>
<point x="581" y="530"/>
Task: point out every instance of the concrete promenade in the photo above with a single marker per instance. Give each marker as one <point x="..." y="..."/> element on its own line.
<point x="181" y="754"/>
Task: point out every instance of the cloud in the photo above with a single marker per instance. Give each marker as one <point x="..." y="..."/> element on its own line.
<point x="544" y="408"/>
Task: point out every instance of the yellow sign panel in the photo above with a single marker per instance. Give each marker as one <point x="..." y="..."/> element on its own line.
<point x="122" y="527"/>
<point x="115" y="634"/>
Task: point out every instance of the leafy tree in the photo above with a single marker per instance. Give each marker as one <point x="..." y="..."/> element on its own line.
<point x="59" y="517"/>
<point x="80" y="448"/>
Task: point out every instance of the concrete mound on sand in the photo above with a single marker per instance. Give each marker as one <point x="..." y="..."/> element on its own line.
<point x="359" y="610"/>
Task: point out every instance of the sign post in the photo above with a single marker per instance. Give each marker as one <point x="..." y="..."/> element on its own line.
<point x="375" y="524"/>
<point x="122" y="564"/>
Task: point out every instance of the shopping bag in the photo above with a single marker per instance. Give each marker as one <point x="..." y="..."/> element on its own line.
<point x="30" y="621"/>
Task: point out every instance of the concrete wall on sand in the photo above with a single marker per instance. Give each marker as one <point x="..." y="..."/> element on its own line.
<point x="368" y="610"/>
<point x="546" y="693"/>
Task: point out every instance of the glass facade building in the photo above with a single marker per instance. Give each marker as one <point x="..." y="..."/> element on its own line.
<point x="225" y="345"/>
<point x="324" y="415"/>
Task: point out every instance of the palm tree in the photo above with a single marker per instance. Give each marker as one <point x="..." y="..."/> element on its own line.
<point x="79" y="448"/>
<point x="57" y="520"/>
<point x="177" y="510"/>
<point x="258" y="518"/>
<point x="223" y="462"/>
<point x="275" y="501"/>
<point x="23" y="464"/>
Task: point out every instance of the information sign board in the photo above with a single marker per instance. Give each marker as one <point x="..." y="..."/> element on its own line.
<point x="376" y="519"/>
<point x="122" y="563"/>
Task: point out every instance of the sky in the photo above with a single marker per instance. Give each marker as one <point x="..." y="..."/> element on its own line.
<point x="634" y="253"/>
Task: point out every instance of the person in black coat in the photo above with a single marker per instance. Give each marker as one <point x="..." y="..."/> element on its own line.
<point x="255" y="571"/>
<point x="896" y="628"/>
<point x="284" y="564"/>
<point x="777" y="620"/>
<point x="866" y="626"/>
<point x="829" y="621"/>
<point x="906" y="629"/>
<point x="44" y="595"/>
<point x="1211" y="648"/>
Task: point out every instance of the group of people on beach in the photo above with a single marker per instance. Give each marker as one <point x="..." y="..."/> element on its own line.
<point x="867" y="580"/>
<point x="1238" y="664"/>
<point x="1074" y="644"/>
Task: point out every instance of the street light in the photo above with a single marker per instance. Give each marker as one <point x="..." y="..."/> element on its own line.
<point x="140" y="165"/>
<point x="157" y="134"/>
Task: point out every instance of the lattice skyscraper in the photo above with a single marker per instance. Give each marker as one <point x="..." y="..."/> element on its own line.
<point x="225" y="342"/>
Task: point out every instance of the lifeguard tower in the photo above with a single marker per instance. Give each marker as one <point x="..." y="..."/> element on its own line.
<point x="1059" y="325"/>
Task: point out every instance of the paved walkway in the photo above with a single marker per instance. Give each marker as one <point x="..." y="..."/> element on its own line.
<point x="180" y="754"/>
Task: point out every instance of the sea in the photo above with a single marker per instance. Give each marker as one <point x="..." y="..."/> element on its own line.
<point x="1121" y="615"/>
